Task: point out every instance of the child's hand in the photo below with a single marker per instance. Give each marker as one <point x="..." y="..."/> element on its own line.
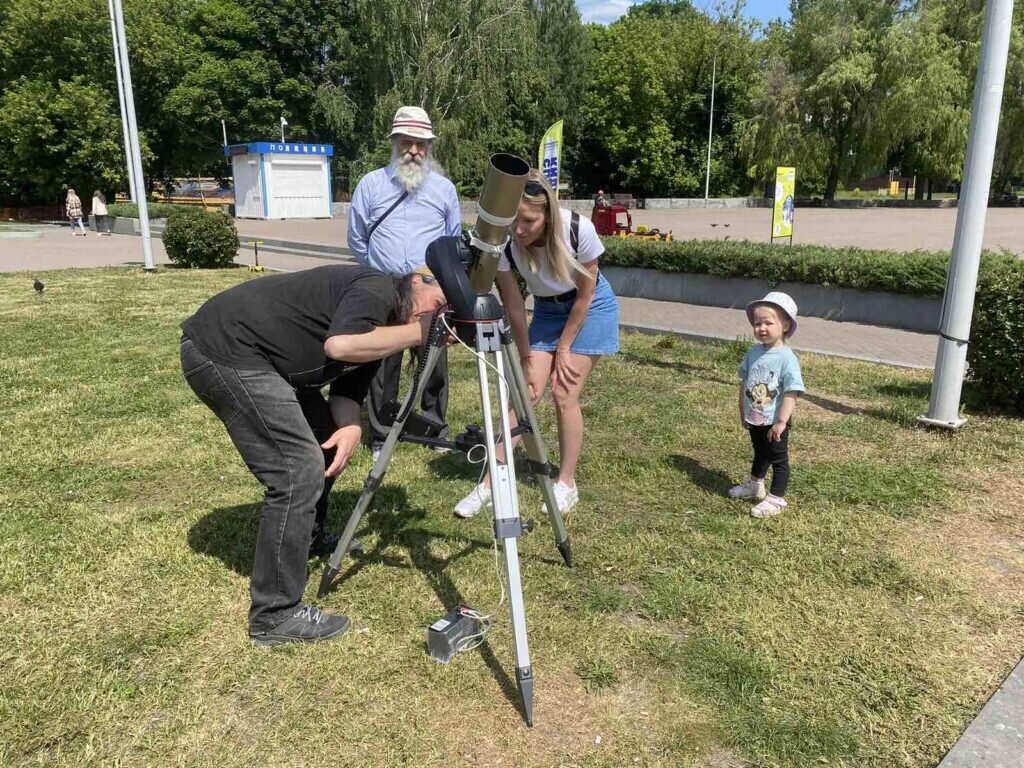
<point x="775" y="433"/>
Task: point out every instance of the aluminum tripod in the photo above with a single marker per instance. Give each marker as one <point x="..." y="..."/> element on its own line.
<point x="492" y="339"/>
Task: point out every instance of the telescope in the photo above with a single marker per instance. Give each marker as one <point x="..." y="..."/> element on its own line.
<point x="465" y="268"/>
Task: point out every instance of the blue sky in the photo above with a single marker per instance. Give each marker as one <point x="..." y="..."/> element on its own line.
<point x="606" y="11"/>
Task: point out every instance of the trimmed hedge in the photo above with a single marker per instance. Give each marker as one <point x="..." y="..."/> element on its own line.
<point x="195" y="238"/>
<point x="996" y="351"/>
<point x="917" y="273"/>
<point x="155" y="210"/>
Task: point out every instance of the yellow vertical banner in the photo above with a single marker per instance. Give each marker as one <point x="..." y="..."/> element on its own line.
<point x="785" y="205"/>
<point x="549" y="157"/>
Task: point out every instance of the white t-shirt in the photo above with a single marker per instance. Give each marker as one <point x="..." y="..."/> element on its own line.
<point x="542" y="283"/>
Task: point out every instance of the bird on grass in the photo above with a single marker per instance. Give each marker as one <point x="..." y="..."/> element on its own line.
<point x="38" y="285"/>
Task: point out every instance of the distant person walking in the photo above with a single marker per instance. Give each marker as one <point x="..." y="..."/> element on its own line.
<point x="99" y="211"/>
<point x="73" y="209"/>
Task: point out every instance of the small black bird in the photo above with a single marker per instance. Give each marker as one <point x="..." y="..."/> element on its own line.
<point x="38" y="285"/>
<point x="726" y="226"/>
<point x="714" y="225"/>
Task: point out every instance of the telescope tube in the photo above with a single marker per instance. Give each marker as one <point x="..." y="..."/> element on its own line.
<point x="499" y="200"/>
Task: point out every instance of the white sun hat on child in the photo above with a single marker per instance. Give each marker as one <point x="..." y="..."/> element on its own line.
<point x="779" y="300"/>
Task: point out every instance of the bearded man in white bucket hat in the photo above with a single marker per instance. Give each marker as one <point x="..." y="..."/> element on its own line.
<point x="397" y="211"/>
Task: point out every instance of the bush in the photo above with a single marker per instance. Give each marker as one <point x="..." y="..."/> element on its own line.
<point x="155" y="210"/>
<point x="996" y="351"/>
<point x="195" y="238"/>
<point x="916" y="273"/>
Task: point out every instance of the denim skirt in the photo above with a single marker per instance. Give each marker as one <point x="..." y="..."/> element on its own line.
<point x="599" y="334"/>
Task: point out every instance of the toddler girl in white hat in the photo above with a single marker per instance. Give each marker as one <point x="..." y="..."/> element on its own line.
<point x="770" y="383"/>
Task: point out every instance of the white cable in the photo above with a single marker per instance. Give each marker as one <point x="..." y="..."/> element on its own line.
<point x="478" y="355"/>
<point x="484" y="620"/>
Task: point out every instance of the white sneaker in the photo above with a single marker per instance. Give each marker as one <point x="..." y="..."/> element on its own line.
<point x="770" y="507"/>
<point x="752" y="489"/>
<point x="566" y="497"/>
<point x="479" y="498"/>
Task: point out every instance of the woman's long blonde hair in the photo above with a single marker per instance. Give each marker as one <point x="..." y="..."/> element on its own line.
<point x="559" y="260"/>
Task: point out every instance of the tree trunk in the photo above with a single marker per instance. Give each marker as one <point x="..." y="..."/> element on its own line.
<point x="833" y="181"/>
<point x="919" y="188"/>
<point x="929" y="187"/>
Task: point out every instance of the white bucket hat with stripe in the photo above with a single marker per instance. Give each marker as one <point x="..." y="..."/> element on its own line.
<point x="413" y="122"/>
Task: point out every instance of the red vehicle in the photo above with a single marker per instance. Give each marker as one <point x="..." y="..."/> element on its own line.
<point x="608" y="222"/>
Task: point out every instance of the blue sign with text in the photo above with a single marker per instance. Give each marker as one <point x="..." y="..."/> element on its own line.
<point x="274" y="148"/>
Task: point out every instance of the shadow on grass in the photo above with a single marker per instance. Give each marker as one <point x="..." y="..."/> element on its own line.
<point x="711" y="480"/>
<point x="229" y="534"/>
<point x="833" y="405"/>
<point x="910" y="399"/>
<point x="698" y="371"/>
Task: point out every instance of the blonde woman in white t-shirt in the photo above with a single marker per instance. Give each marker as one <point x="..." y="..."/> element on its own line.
<point x="575" y="320"/>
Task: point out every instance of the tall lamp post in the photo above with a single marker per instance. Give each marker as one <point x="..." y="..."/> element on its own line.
<point x="958" y="302"/>
<point x="128" y="115"/>
<point x="711" y="122"/>
<point x="120" y="101"/>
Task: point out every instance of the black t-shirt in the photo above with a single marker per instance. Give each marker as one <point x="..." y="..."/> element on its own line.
<point x="280" y="323"/>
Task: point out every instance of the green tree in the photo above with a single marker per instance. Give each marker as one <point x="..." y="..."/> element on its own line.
<point x="1009" y="160"/>
<point x="470" y="63"/>
<point x="645" y="115"/>
<point x="56" y="136"/>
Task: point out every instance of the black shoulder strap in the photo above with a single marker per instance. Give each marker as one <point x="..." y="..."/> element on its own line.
<point x="387" y="213"/>
<point x="508" y="256"/>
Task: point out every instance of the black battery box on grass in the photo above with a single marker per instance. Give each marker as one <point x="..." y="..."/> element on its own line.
<point x="449" y="634"/>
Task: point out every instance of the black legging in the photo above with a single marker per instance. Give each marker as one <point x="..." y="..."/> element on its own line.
<point x="775" y="455"/>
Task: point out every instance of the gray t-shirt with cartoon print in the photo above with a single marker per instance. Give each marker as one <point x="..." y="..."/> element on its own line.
<point x="767" y="375"/>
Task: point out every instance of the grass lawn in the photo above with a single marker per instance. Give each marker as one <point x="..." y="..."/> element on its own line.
<point x="864" y="627"/>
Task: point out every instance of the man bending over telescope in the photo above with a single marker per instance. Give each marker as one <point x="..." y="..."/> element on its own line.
<point x="258" y="355"/>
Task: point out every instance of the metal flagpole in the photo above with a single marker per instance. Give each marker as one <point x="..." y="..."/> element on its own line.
<point x="133" y="138"/>
<point x="958" y="303"/>
<point x="711" y="122"/>
<point x="120" y="98"/>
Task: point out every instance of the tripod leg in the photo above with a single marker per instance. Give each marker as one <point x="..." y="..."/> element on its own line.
<point x="373" y="480"/>
<point x="536" y="450"/>
<point x="508" y="526"/>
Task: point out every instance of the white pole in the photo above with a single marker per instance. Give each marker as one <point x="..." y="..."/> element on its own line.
<point x="120" y="99"/>
<point x="711" y="122"/>
<point x="224" y="128"/>
<point x="283" y="124"/>
<point x="133" y="138"/>
<point x="958" y="304"/>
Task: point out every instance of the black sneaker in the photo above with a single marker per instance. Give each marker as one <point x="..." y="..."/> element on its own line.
<point x="306" y="625"/>
<point x="323" y="543"/>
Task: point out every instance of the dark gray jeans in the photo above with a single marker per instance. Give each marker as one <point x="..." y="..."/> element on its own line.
<point x="277" y="430"/>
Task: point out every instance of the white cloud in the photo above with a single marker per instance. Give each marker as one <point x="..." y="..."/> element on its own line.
<point x="603" y="11"/>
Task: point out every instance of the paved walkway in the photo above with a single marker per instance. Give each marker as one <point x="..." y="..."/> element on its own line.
<point x="56" y="249"/>
<point x="996" y="737"/>
<point x="898" y="229"/>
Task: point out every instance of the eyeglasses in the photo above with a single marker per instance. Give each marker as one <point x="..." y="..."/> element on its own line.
<point x="534" y="188"/>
